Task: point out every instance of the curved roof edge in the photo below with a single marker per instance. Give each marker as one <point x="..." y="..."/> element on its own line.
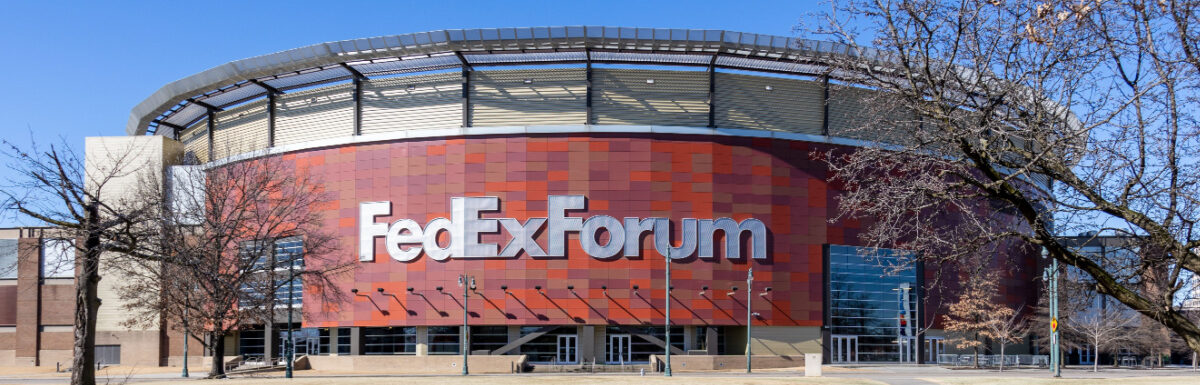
<point x="179" y="103"/>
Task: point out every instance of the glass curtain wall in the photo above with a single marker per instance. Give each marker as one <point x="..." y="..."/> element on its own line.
<point x="873" y="297"/>
<point x="389" y="340"/>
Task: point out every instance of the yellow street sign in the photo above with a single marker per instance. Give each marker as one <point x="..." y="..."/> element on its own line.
<point x="1054" y="324"/>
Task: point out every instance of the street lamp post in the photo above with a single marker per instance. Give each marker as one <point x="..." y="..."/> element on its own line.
<point x="1054" y="342"/>
<point x="468" y="283"/>
<point x="749" y="299"/>
<point x="185" y="341"/>
<point x="1051" y="278"/>
<point x="289" y="346"/>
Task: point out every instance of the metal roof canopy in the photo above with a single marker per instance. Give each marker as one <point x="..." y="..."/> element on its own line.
<point x="188" y="100"/>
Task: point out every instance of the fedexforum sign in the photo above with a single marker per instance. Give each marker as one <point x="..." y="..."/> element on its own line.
<point x="406" y="239"/>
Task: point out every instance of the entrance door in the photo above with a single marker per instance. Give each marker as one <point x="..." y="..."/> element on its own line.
<point x="908" y="349"/>
<point x="313" y="346"/>
<point x="934" y="347"/>
<point x="618" y="349"/>
<point x="845" y="349"/>
<point x="568" y="351"/>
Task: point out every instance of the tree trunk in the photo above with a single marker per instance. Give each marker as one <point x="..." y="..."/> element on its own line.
<point x="1001" y="357"/>
<point x="217" y="344"/>
<point x="1095" y="357"/>
<point x="87" y="303"/>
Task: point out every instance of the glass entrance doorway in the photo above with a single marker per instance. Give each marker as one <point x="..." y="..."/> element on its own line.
<point x="845" y="349"/>
<point x="618" y="349"/>
<point x="908" y="349"/>
<point x="568" y="349"/>
<point x="934" y="346"/>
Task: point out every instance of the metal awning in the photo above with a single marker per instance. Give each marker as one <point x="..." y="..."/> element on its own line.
<point x="185" y="101"/>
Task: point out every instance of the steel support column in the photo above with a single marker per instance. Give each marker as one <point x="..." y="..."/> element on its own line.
<point x="272" y="95"/>
<point x="212" y="125"/>
<point x="588" y="118"/>
<point x="358" y="79"/>
<point x="271" y="100"/>
<point x="825" y="105"/>
<point x="712" y="92"/>
<point x="466" y="89"/>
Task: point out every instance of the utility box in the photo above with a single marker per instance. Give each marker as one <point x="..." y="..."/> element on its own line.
<point x="812" y="364"/>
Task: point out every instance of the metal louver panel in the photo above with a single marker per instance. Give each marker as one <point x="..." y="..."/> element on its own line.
<point x="529" y="97"/>
<point x="413" y="102"/>
<point x="240" y="130"/>
<point x="231" y="95"/>
<point x="396" y="66"/>
<point x="187" y="114"/>
<point x="195" y="141"/>
<point x="765" y="103"/>
<point x="650" y="97"/>
<point x="858" y="113"/>
<point x="315" y="114"/>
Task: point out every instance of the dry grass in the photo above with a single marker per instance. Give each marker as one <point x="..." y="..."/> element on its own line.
<point x="1164" y="380"/>
<point x="541" y="379"/>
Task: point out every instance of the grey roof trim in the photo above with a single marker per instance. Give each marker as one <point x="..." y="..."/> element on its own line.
<point x="236" y="74"/>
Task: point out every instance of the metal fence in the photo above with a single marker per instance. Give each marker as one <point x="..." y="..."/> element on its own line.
<point x="994" y="360"/>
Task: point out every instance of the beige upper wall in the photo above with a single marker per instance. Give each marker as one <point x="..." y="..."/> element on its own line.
<point x="120" y="164"/>
<point x="533" y="97"/>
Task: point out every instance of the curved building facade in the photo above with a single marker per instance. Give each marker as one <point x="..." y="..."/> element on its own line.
<point x="560" y="167"/>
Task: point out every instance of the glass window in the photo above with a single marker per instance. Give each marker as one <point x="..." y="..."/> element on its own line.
<point x="544" y="348"/>
<point x="275" y="281"/>
<point x="872" y="295"/>
<point x="488" y="337"/>
<point x="8" y="258"/>
<point x="343" y="341"/>
<point x="443" y="340"/>
<point x="251" y="342"/>
<point x="389" y="340"/>
<point x="58" y="258"/>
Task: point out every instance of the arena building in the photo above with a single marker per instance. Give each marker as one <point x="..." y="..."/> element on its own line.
<point x="567" y="164"/>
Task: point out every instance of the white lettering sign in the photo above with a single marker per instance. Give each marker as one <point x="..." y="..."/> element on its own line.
<point x="405" y="239"/>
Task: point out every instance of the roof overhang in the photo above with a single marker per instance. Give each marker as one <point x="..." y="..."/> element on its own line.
<point x="185" y="101"/>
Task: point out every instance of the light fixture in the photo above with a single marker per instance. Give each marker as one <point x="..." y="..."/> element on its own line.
<point x="410" y="289"/>
<point x="439" y="288"/>
<point x="702" y="290"/>
<point x="571" y="287"/>
<point x="355" y="291"/>
<point x="649" y="81"/>
<point x="635" y="287"/>
<point x="411" y="87"/>
<point x="769" y="88"/>
<point x="732" y="290"/>
<point x="528" y="81"/>
<point x="380" y="290"/>
<point x="765" y="292"/>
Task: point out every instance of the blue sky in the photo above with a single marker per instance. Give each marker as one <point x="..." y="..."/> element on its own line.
<point x="76" y="69"/>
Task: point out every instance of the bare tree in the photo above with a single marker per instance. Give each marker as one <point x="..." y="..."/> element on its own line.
<point x="1015" y="122"/>
<point x="54" y="186"/>
<point x="229" y="234"/>
<point x="1102" y="328"/>
<point x="1005" y="325"/>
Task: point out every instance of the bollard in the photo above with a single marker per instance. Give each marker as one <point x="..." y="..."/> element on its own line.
<point x="643" y="372"/>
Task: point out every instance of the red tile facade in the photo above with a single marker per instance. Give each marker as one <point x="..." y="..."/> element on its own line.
<point x="775" y="181"/>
